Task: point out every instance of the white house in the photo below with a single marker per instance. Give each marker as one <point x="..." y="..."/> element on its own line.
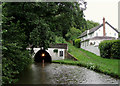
<point x="90" y="39"/>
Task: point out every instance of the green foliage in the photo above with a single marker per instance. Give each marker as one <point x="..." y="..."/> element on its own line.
<point x="15" y="57"/>
<point x="60" y="40"/>
<point x="110" y="49"/>
<point x="119" y="35"/>
<point x="79" y="21"/>
<point x="55" y="50"/>
<point x="105" y="49"/>
<point x="73" y="34"/>
<point x="13" y="62"/>
<point x="91" y="24"/>
<point x="115" y="49"/>
<point x="39" y="20"/>
<point x="77" y="43"/>
<point x="42" y="36"/>
<point x="69" y="50"/>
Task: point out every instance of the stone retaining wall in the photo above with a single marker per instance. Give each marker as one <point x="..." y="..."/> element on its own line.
<point x="69" y="56"/>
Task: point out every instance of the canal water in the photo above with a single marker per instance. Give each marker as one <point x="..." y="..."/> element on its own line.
<point x="52" y="73"/>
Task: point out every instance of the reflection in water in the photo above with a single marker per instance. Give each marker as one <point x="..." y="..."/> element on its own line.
<point x="62" y="74"/>
<point x="43" y="63"/>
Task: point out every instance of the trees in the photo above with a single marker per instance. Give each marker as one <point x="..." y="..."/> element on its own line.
<point x="73" y="34"/>
<point x="41" y="36"/>
<point x="91" y="24"/>
<point x="15" y="57"/>
<point x="43" y="17"/>
<point x="36" y="24"/>
<point x="38" y="20"/>
<point x="78" y="17"/>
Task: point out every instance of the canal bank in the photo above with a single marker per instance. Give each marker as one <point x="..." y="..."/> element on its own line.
<point x="90" y="66"/>
<point x="53" y="73"/>
<point x="92" y="61"/>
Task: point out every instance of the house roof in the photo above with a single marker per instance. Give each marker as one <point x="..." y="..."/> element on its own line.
<point x="102" y="37"/>
<point x="83" y="34"/>
<point x="59" y="45"/>
<point x="96" y="28"/>
<point x="112" y="27"/>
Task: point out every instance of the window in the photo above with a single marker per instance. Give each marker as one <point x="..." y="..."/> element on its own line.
<point x="96" y="34"/>
<point x="61" y="53"/>
<point x="114" y="34"/>
<point x="90" y="43"/>
<point x="87" y="43"/>
<point x="91" y="35"/>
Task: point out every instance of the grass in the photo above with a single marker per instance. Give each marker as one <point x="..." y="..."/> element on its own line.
<point x="92" y="61"/>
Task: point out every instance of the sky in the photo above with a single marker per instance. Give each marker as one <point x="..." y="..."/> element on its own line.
<point x="97" y="9"/>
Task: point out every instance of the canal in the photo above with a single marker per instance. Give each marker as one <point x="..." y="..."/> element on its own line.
<point x="52" y="73"/>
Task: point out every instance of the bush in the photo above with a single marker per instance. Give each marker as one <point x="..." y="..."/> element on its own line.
<point x="105" y="49"/>
<point x="115" y="49"/>
<point x="110" y="49"/>
<point x="77" y="43"/>
<point x="55" y="50"/>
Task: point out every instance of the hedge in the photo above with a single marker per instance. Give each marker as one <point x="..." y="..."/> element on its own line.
<point x="110" y="49"/>
<point x="115" y="49"/>
<point x="77" y="43"/>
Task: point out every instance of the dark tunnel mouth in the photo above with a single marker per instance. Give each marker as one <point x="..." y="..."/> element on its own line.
<point x="42" y="55"/>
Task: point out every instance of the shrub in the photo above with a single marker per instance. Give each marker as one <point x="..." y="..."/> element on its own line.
<point x="69" y="50"/>
<point x="77" y="43"/>
<point x="105" y="49"/>
<point x="110" y="49"/>
<point x="115" y="49"/>
<point x="55" y="50"/>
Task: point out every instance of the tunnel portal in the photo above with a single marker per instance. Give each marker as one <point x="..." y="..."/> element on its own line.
<point x="42" y="55"/>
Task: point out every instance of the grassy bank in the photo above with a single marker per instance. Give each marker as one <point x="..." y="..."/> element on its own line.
<point x="92" y="61"/>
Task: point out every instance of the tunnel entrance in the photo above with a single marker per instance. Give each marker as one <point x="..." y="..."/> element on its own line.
<point x="42" y="55"/>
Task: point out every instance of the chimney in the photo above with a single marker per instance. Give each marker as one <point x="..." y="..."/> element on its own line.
<point x="103" y="26"/>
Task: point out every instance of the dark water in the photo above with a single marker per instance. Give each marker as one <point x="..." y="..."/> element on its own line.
<point x="62" y="74"/>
